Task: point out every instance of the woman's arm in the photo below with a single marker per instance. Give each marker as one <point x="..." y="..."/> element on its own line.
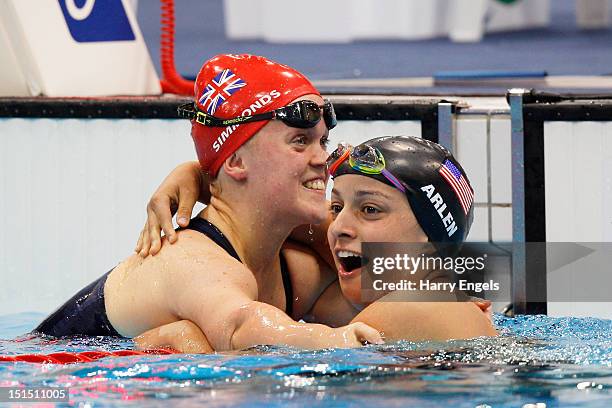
<point x="182" y="336"/>
<point x="260" y="323"/>
<point x="332" y="308"/>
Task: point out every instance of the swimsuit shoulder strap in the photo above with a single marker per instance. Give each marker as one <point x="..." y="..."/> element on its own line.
<point x="287" y="286"/>
<point x="214" y="233"/>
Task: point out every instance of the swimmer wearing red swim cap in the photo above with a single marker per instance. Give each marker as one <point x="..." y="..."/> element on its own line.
<point x="235" y="86"/>
<point x="226" y="274"/>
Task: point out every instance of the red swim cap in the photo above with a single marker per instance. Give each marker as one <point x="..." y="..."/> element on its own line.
<point x="229" y="86"/>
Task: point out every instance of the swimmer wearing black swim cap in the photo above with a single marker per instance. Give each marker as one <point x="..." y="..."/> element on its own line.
<point x="437" y="187"/>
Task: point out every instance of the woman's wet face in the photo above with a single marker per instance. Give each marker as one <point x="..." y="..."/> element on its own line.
<point x="366" y="210"/>
<point x="292" y="163"/>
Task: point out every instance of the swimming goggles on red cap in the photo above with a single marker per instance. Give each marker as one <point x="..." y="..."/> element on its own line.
<point x="301" y="114"/>
<point x="363" y="158"/>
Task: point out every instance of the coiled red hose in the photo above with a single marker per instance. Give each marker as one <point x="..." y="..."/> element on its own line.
<point x="65" y="357"/>
<point x="172" y="81"/>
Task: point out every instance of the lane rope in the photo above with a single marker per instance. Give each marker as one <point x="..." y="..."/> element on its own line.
<point x="66" y="357"/>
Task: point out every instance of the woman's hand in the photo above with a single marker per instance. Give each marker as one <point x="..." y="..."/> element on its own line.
<point x="352" y="335"/>
<point x="179" y="191"/>
<point x="485" y="306"/>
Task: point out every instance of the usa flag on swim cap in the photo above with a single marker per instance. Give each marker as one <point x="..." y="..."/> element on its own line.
<point x="222" y="86"/>
<point x="459" y="184"/>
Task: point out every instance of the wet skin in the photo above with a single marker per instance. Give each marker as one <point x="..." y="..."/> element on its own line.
<point x="366" y="210"/>
<point x="236" y="304"/>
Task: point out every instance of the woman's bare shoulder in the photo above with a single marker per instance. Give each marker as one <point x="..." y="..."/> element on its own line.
<point x="417" y="321"/>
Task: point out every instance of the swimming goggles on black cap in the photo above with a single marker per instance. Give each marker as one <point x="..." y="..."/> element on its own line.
<point x="301" y="114"/>
<point x="363" y="158"/>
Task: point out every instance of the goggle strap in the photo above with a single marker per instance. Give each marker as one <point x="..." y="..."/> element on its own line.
<point x="186" y="110"/>
<point x="209" y="120"/>
<point x="393" y="180"/>
<point x="247" y="119"/>
<point x="334" y="166"/>
<point x="329" y="117"/>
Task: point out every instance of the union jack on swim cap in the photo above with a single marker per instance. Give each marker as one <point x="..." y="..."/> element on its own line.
<point x="229" y="86"/>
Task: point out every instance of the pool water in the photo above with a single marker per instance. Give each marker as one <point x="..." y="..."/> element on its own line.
<point x="537" y="359"/>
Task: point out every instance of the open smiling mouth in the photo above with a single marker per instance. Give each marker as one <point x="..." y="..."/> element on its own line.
<point x="317" y="184"/>
<point x="351" y="260"/>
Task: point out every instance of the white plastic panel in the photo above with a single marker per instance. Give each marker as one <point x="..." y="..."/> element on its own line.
<point x="73" y="198"/>
<point x="501" y="224"/>
<point x="578" y="199"/>
<point x="480" y="227"/>
<point x="12" y="79"/>
<point x="471" y="152"/>
<point x="501" y="161"/>
<point x="52" y="61"/>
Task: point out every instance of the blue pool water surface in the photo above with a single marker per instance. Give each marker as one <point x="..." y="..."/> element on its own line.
<point x="560" y="362"/>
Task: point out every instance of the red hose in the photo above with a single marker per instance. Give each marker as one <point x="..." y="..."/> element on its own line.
<point x="66" y="357"/>
<point x="171" y="81"/>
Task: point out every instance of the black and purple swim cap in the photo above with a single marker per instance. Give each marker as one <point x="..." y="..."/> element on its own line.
<point x="436" y="185"/>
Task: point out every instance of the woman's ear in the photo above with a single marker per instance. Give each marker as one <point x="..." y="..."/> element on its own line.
<point x="235" y="167"/>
